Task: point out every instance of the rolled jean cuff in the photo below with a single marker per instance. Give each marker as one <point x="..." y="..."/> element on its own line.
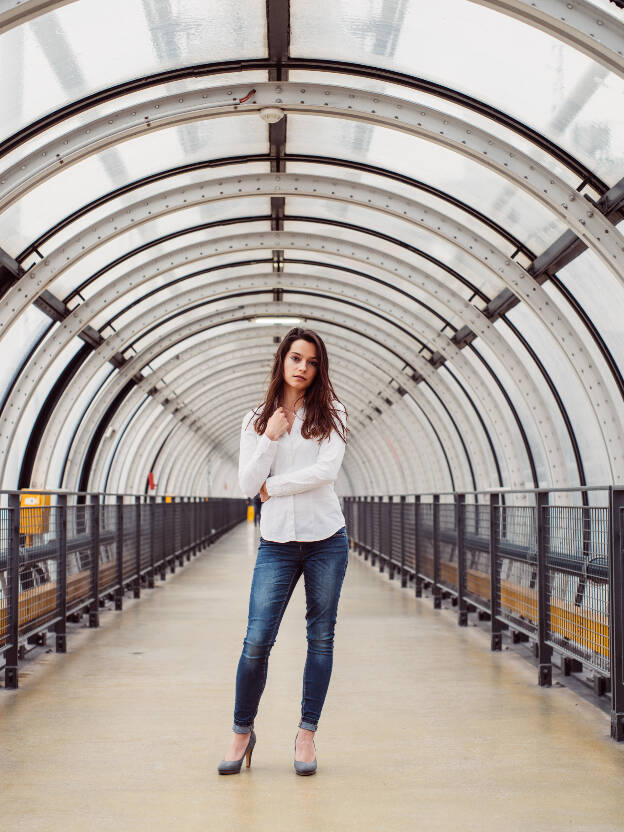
<point x="310" y="726"/>
<point x="242" y="729"/>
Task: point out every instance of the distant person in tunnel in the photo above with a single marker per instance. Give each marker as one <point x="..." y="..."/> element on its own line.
<point x="257" y="504"/>
<point x="291" y="450"/>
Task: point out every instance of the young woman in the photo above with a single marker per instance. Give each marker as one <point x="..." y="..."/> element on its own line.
<point x="291" y="451"/>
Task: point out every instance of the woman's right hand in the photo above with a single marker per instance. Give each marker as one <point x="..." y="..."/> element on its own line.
<point x="277" y="424"/>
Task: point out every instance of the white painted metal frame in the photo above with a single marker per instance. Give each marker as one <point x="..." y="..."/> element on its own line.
<point x="577" y="23"/>
<point x="328" y="287"/>
<point x="17" y="12"/>
<point x="341" y="343"/>
<point x="398" y="269"/>
<point x="323" y="99"/>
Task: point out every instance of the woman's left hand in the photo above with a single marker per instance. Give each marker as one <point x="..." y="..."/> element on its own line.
<point x="264" y="496"/>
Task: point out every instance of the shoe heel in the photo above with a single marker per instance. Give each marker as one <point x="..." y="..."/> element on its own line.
<point x="234" y="766"/>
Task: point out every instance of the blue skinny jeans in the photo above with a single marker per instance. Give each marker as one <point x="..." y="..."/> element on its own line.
<point x="276" y="572"/>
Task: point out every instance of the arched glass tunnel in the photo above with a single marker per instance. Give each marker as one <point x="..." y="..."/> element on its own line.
<point x="435" y="188"/>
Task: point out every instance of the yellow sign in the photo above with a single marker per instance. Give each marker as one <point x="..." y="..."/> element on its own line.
<point x="35" y="517"/>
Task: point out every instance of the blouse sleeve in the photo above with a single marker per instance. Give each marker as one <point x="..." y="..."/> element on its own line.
<point x="255" y="459"/>
<point x="323" y="472"/>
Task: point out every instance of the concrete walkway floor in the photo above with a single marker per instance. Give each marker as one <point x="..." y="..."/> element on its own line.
<point x="423" y="727"/>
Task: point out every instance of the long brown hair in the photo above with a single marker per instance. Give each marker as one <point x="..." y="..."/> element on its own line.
<point x="321" y="415"/>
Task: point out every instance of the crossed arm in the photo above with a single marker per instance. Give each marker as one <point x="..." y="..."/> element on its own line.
<point x="257" y="455"/>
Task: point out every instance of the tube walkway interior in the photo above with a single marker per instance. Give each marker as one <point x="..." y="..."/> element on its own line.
<point x="423" y="727"/>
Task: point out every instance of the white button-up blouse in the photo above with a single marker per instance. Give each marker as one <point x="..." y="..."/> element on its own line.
<point x="299" y="474"/>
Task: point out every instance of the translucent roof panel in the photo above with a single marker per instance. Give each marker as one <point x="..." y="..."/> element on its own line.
<point x="418" y="195"/>
<point x="131" y="305"/>
<point x="468" y="267"/>
<point x="23" y="222"/>
<point x="64" y="439"/>
<point x="446" y="170"/>
<point x="87" y="46"/>
<point x="383" y="291"/>
<point x="398" y="229"/>
<point x="519" y="69"/>
<point x="140" y="193"/>
<point x="600" y="293"/>
<point x="451" y="108"/>
<point x="174" y="223"/>
<point x="574" y="398"/>
<point x="33" y="409"/>
<point x="21" y="337"/>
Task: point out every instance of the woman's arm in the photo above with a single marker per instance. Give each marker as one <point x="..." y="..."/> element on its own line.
<point x="255" y="459"/>
<point x="322" y="472"/>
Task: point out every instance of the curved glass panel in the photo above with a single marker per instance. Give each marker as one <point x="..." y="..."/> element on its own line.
<point x="517" y="68"/>
<point x="135" y="302"/>
<point x="401" y="230"/>
<point x="462" y="391"/>
<point x="387" y="291"/>
<point x="430" y="480"/>
<point x="474" y="184"/>
<point x="524" y="414"/>
<point x="146" y="233"/>
<point x="77" y="185"/>
<point x="443" y="105"/>
<point x="573" y="396"/>
<point x="63" y="441"/>
<point x="21" y="337"/>
<point x="601" y="295"/>
<point x="147" y="191"/>
<point x="401" y="189"/>
<point x="29" y="414"/>
<point x="468" y="267"/>
<point x="68" y="281"/>
<point x="88" y="46"/>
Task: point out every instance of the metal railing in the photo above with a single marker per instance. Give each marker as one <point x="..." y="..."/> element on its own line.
<point x="65" y="556"/>
<point x="546" y="565"/>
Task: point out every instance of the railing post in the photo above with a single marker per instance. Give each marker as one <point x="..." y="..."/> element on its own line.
<point x="361" y="514"/>
<point x="460" y="522"/>
<point x="495" y="624"/>
<point x="544" y="651"/>
<point x="162" y="538"/>
<point x="137" y="548"/>
<point x="119" y="516"/>
<point x="616" y="613"/>
<point x="403" y="573"/>
<point x="10" y="670"/>
<point x="417" y="570"/>
<point x="151" y="507"/>
<point x="60" y="628"/>
<point x="436" y="589"/>
<point x="390" y="537"/>
<point x="195" y="525"/>
<point x="94" y="606"/>
<point x="171" y="534"/>
<point x="368" y="552"/>
<point x="382" y="528"/>
<point x="187" y="528"/>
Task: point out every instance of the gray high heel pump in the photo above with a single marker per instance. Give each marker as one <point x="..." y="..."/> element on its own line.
<point x="234" y="766"/>
<point x="304" y="768"/>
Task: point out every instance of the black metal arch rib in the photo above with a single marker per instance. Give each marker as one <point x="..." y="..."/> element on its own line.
<point x="399" y="243"/>
<point x="316" y="65"/>
<point x="396" y="325"/>
<point x="386" y="173"/>
<point x="267" y="218"/>
<point x="118" y="401"/>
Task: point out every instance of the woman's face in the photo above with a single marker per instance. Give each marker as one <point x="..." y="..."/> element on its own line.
<point x="300" y="365"/>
